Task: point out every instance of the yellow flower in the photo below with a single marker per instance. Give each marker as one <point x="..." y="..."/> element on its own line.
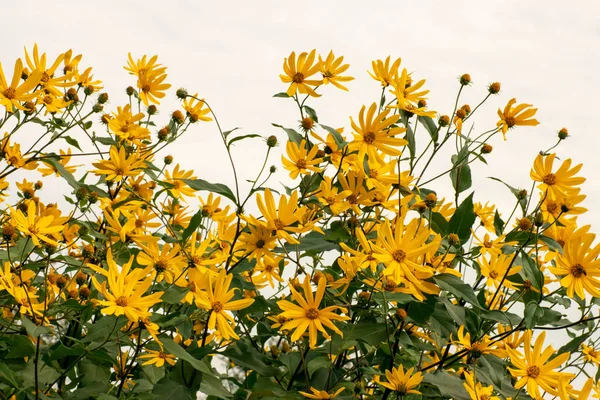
<point x="533" y="368"/>
<point x="141" y="66"/>
<point x="485" y="213"/>
<point x="152" y="87"/>
<point x="476" y="389"/>
<point x="580" y="267"/>
<point x="125" y="292"/>
<point x="515" y="116"/>
<point x="376" y="133"/>
<point x="123" y="124"/>
<point x="119" y="165"/>
<point x="218" y="299"/>
<point x="268" y="268"/>
<point x="298" y="71"/>
<point x="166" y="263"/>
<point x="559" y="183"/>
<point x="158" y="358"/>
<point x="12" y="95"/>
<point x="477" y="348"/>
<point x="49" y="79"/>
<point x="331" y="69"/>
<point x="402" y="382"/>
<point x="408" y="95"/>
<point x="383" y="72"/>
<point x="196" y="110"/>
<point x="590" y="354"/>
<point x="180" y="188"/>
<point x="37" y="228"/>
<point x="13" y="157"/>
<point x="321" y="394"/>
<point x="307" y="314"/>
<point x="301" y="161"/>
<point x="257" y="241"/>
<point x="280" y="220"/>
<point x="496" y="269"/>
<point x="63" y="160"/>
<point x="329" y="196"/>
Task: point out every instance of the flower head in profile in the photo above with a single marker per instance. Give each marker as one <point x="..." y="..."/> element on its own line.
<point x="332" y="68"/>
<point x="307" y="314"/>
<point x="402" y="382"/>
<point x="158" y="358"/>
<point x="298" y="71"/>
<point x="476" y="390"/>
<point x="520" y="115"/>
<point x="384" y="72"/>
<point x="321" y="394"/>
<point x="196" y="110"/>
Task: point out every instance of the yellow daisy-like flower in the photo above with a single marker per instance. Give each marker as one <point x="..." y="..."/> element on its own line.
<point x="375" y="133"/>
<point x="331" y="69"/>
<point x="534" y="370"/>
<point x="384" y="72"/>
<point x="298" y="71"/>
<point x="409" y="95"/>
<point x="590" y="354"/>
<point x="14" y="94"/>
<point x="217" y="299"/>
<point x="476" y="390"/>
<point x="280" y="220"/>
<point x="158" y="358"/>
<point x="321" y="394"/>
<point x="496" y="268"/>
<point x="516" y="116"/>
<point x="579" y="267"/>
<point x="180" y="188"/>
<point x="152" y="87"/>
<point x="307" y="315"/>
<point x="196" y="110"/>
<point x="476" y="348"/>
<point x="402" y="382"/>
<point x="559" y="183"/>
<point x="119" y="165"/>
<point x="300" y="160"/>
<point x="36" y="227"/>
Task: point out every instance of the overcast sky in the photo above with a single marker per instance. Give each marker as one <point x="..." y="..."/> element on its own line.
<point x="543" y="52"/>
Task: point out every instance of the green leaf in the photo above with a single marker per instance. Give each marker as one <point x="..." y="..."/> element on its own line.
<point x="193" y="225"/>
<point x="450" y="385"/>
<point x="72" y="142"/>
<point x="103" y="328"/>
<point x="238" y="138"/>
<point x="174" y="294"/>
<point x="373" y="334"/>
<point x="430" y="127"/>
<point x="574" y="344"/>
<point x="531" y="271"/>
<point x="166" y="389"/>
<point x="227" y="133"/>
<point x="314" y="242"/>
<point x="218" y="188"/>
<point x="33" y="329"/>
<point x="503" y="317"/>
<point x="337" y="137"/>
<point x="551" y="243"/>
<point x="282" y="94"/>
<point x="516" y="192"/>
<point x="181" y="353"/>
<point x="19" y="346"/>
<point x="311" y="113"/>
<point x="439" y="224"/>
<point x="247" y="357"/>
<point x="292" y="134"/>
<point x="318" y="363"/>
<point x="533" y="312"/>
<point x="8" y="377"/>
<point x="461" y="178"/>
<point x="463" y="219"/>
<point x="549" y="316"/>
<point x="420" y="311"/>
<point x="409" y="136"/>
<point x="498" y="224"/>
<point x="107" y="141"/>
<point x="458" y="288"/>
<point x="52" y="159"/>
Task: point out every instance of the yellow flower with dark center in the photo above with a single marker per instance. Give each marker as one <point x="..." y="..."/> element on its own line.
<point x="495" y="269"/>
<point x="330" y="196"/>
<point x="298" y="72"/>
<point x="409" y="96"/>
<point x="51" y="83"/>
<point x="158" y="358"/>
<point x="180" y="188"/>
<point x="217" y="299"/>
<point x="124" y="291"/>
<point x="476" y="390"/>
<point x="196" y="110"/>
<point x="119" y="165"/>
<point x="257" y="241"/>
<point x="307" y="314"/>
<point x="402" y="382"/>
<point x="36" y="227"/>
<point x="166" y="263"/>
<point x="321" y="394"/>
<point x="561" y="183"/>
<point x="384" y="72"/>
<point x="14" y="94"/>
<point x="579" y="267"/>
<point x="476" y="348"/>
<point x="590" y="354"/>
<point x="124" y="125"/>
<point x="142" y="66"/>
<point x="376" y="133"/>
<point x="268" y="268"/>
<point x="534" y="369"/>
<point x="516" y="116"/>
<point x="280" y="220"/>
<point x="301" y="161"/>
<point x="152" y="87"/>
<point x="331" y="69"/>
<point x="13" y="157"/>
<point x="485" y="213"/>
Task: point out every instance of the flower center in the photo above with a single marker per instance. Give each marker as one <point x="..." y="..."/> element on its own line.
<point x="33" y="230"/>
<point x="550" y="179"/>
<point x="146" y="88"/>
<point x="139" y="223"/>
<point x="9" y="93"/>
<point x="279" y="225"/>
<point x="45" y="77"/>
<point x="161" y="265"/>
<point x="399" y="255"/>
<point x="577" y="270"/>
<point x="260" y="244"/>
<point x="487" y="244"/>
<point x="121" y="301"/>
<point x="217" y="306"/>
<point x="299" y="77"/>
<point x="510" y="121"/>
<point x="369" y="137"/>
<point x="301" y="163"/>
<point x="269" y="268"/>
<point x="533" y="371"/>
<point x="119" y="171"/>
<point x="493" y="274"/>
<point x="312" y="313"/>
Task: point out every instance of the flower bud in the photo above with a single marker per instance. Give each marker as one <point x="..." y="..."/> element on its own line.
<point x="152" y="109"/>
<point x="178" y="117"/>
<point x="272" y="169"/>
<point x="29" y="107"/>
<point x="522" y="194"/>
<point x="444" y="120"/>
<point x="563" y="133"/>
<point x="307" y="123"/>
<point x="84" y="292"/>
<point x="486" y="148"/>
<point x="168" y="159"/>
<point x="71" y="95"/>
<point x="466" y="108"/>
<point x="422" y="103"/>
<point x="430" y="200"/>
<point x="539" y="219"/>
<point x="272" y="141"/>
<point x="8" y="231"/>
<point x="163" y="133"/>
<point x="80" y="278"/>
<point x="130" y="90"/>
<point x="460" y="113"/>
<point x="453" y="239"/>
<point x="93" y="197"/>
<point x="524" y="224"/>
<point x="61" y="282"/>
<point x="97" y="108"/>
<point x="81" y="194"/>
<point x="465" y="79"/>
<point x="181" y="93"/>
<point x="494" y="88"/>
<point x="38" y="185"/>
<point x="401" y="313"/>
<point x="105" y="119"/>
<point x="102" y="98"/>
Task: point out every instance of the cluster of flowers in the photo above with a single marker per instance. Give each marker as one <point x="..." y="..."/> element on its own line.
<point x="359" y="245"/>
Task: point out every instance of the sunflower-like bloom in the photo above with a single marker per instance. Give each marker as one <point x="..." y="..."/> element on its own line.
<point x="485" y="213"/>
<point x="166" y="263"/>
<point x="217" y="299"/>
<point x="579" y="267"/>
<point x="300" y="160"/>
<point x="14" y="94"/>
<point x="534" y="370"/>
<point x="476" y="390"/>
<point x="142" y="66"/>
<point x="402" y="382"/>
<point x="590" y="354"/>
<point x="332" y="68"/>
<point x="560" y="183"/>
<point x="64" y="159"/>
<point x="329" y="195"/>
<point x="376" y="133"/>
<point x="196" y="110"/>
<point x="496" y="269"/>
<point x="152" y="87"/>
<point x="36" y="227"/>
<point x="516" y="116"/>
<point x="158" y="358"/>
<point x="321" y="394"/>
<point x="308" y="315"/>
<point x="298" y="71"/>
<point x="267" y="269"/>
<point x="476" y="348"/>
<point x="124" y="125"/>
<point x="384" y="72"/>
<point x="179" y="188"/>
<point x="257" y="241"/>
<point x="50" y="82"/>
<point x="280" y="220"/>
<point x="125" y="292"/>
<point x="409" y="96"/>
<point x="119" y="165"/>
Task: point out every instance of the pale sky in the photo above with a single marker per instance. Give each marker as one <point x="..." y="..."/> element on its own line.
<point x="231" y="53"/>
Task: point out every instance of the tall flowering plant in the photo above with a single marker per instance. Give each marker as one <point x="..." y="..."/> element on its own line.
<point x="148" y="280"/>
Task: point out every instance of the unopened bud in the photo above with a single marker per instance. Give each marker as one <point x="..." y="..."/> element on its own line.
<point x="444" y="120"/>
<point x="272" y="141"/>
<point x="152" y="109"/>
<point x="178" y="117"/>
<point x="181" y="93"/>
<point x="486" y="148"/>
<point x="494" y="88"/>
<point x="102" y="98"/>
<point x="130" y="90"/>
<point x="453" y="239"/>
<point x="465" y="79"/>
<point x="563" y="134"/>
